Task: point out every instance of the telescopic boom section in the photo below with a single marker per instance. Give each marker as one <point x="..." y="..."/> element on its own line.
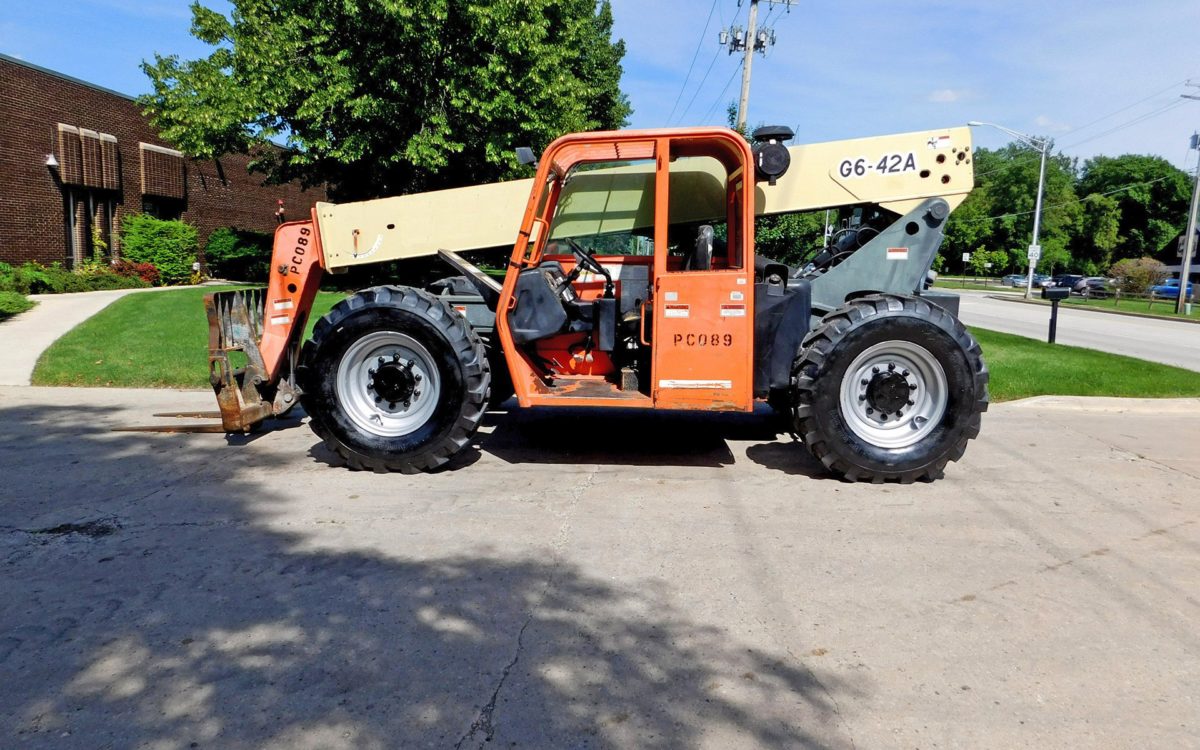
<point x="896" y="172"/>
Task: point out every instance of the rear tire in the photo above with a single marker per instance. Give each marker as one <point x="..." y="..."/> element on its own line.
<point x="889" y="388"/>
<point x="394" y="380"/>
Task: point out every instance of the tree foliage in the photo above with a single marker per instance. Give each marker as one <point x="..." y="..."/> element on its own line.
<point x="1136" y="276"/>
<point x="1108" y="210"/>
<point x="376" y="98"/>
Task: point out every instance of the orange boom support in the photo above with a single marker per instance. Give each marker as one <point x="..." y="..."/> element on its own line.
<point x="266" y="330"/>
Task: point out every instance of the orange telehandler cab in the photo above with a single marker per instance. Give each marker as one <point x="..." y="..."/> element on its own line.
<point x="633" y="283"/>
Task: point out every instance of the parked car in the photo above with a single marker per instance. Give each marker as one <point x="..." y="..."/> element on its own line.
<point x="1096" y="287"/>
<point x="1071" y="281"/>
<point x="1013" y="279"/>
<point x="1170" y="289"/>
<point x="1041" y="280"/>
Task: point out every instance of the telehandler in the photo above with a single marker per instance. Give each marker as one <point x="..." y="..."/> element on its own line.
<point x="633" y="283"/>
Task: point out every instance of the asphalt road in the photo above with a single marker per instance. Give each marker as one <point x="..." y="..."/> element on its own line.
<point x="587" y="580"/>
<point x="1168" y="341"/>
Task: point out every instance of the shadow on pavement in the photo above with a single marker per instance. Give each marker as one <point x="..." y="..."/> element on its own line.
<point x="156" y="596"/>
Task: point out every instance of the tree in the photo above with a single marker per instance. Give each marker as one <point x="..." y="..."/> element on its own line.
<point x="1099" y="233"/>
<point x="789" y="238"/>
<point x="1137" y="276"/>
<point x="1013" y="189"/>
<point x="378" y="98"/>
<point x="1151" y="194"/>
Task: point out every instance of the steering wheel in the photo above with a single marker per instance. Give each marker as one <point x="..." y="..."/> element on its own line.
<point x="586" y="259"/>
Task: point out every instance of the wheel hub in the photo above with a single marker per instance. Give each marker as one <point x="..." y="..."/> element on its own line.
<point x="893" y="394"/>
<point x="388" y="384"/>
<point x="888" y="391"/>
<point x="394" y="380"/>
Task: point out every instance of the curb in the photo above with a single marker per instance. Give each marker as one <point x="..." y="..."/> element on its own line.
<point x="1109" y="404"/>
<point x="1126" y="313"/>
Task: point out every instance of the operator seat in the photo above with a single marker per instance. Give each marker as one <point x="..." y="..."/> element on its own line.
<point x="700" y="259"/>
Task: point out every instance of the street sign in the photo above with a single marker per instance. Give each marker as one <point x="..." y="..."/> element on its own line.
<point x="1035" y="253"/>
<point x="967" y="256"/>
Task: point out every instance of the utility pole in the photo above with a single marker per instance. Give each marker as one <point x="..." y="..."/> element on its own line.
<point x="1189" y="244"/>
<point x="750" y="40"/>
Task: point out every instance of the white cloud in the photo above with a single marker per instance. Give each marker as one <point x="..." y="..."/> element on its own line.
<point x="948" y="96"/>
<point x="1053" y="126"/>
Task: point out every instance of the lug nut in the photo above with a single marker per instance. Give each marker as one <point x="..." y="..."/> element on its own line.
<point x="382" y="360"/>
<point x="417" y="377"/>
<point x="371" y="373"/>
<point x="866" y="382"/>
<point x="875" y="370"/>
<point x="891" y="366"/>
<point x="904" y="373"/>
<point x="870" y="410"/>
<point x="378" y="399"/>
<point x="391" y="404"/>
<point x="911" y="402"/>
<point x="912" y="387"/>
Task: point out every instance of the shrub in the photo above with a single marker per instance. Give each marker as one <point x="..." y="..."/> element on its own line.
<point x="32" y="278"/>
<point x="12" y="303"/>
<point x="239" y="254"/>
<point x="169" y="245"/>
<point x="144" y="271"/>
<point x="1136" y="276"/>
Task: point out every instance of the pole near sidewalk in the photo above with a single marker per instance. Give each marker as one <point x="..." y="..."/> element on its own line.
<point x="1189" y="247"/>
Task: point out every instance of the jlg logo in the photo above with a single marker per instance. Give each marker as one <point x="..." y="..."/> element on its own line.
<point x="703" y="339"/>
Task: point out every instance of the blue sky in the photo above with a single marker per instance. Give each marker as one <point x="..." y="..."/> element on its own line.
<point x="1098" y="77"/>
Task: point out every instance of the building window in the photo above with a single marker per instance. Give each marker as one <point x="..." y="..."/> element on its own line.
<point x="167" y="209"/>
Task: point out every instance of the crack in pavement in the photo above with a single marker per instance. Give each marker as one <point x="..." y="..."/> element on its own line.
<point x="484" y="722"/>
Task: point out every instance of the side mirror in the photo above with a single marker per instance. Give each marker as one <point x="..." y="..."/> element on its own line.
<point x="526" y="156"/>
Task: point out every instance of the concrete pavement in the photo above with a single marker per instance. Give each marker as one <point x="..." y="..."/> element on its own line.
<point x="1158" y="340"/>
<point x="596" y="580"/>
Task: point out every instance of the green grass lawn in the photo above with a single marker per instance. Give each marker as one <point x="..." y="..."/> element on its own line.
<point x="1160" y="308"/>
<point x="160" y="339"/>
<point x="1022" y="367"/>
<point x="950" y="285"/>
<point x="150" y="339"/>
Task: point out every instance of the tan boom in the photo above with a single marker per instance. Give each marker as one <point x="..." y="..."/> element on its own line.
<point x="896" y="172"/>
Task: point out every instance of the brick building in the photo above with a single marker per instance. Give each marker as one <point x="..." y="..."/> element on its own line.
<point x="75" y="158"/>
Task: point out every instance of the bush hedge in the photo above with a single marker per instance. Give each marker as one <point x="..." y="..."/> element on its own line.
<point x="238" y="254"/>
<point x="171" y="246"/>
<point x="31" y="278"/>
<point x="12" y="303"/>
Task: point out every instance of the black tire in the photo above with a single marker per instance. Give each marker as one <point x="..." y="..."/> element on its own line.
<point x="450" y="348"/>
<point x="857" y="334"/>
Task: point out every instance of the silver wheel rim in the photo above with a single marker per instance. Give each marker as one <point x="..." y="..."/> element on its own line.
<point x="368" y="410"/>
<point x="928" y="394"/>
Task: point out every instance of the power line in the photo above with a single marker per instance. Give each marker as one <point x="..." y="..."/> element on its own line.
<point x="1129" y="123"/>
<point x="696" y="54"/>
<point x="711" y="63"/>
<point x="717" y="102"/>
<point x="1121" y="189"/>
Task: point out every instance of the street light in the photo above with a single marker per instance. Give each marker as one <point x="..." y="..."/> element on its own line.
<point x="1043" y="145"/>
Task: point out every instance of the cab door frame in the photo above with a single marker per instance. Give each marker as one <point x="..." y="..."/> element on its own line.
<point x="703" y="321"/>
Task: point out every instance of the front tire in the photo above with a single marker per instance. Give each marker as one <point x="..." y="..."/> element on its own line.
<point x="889" y="388"/>
<point x="394" y="380"/>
